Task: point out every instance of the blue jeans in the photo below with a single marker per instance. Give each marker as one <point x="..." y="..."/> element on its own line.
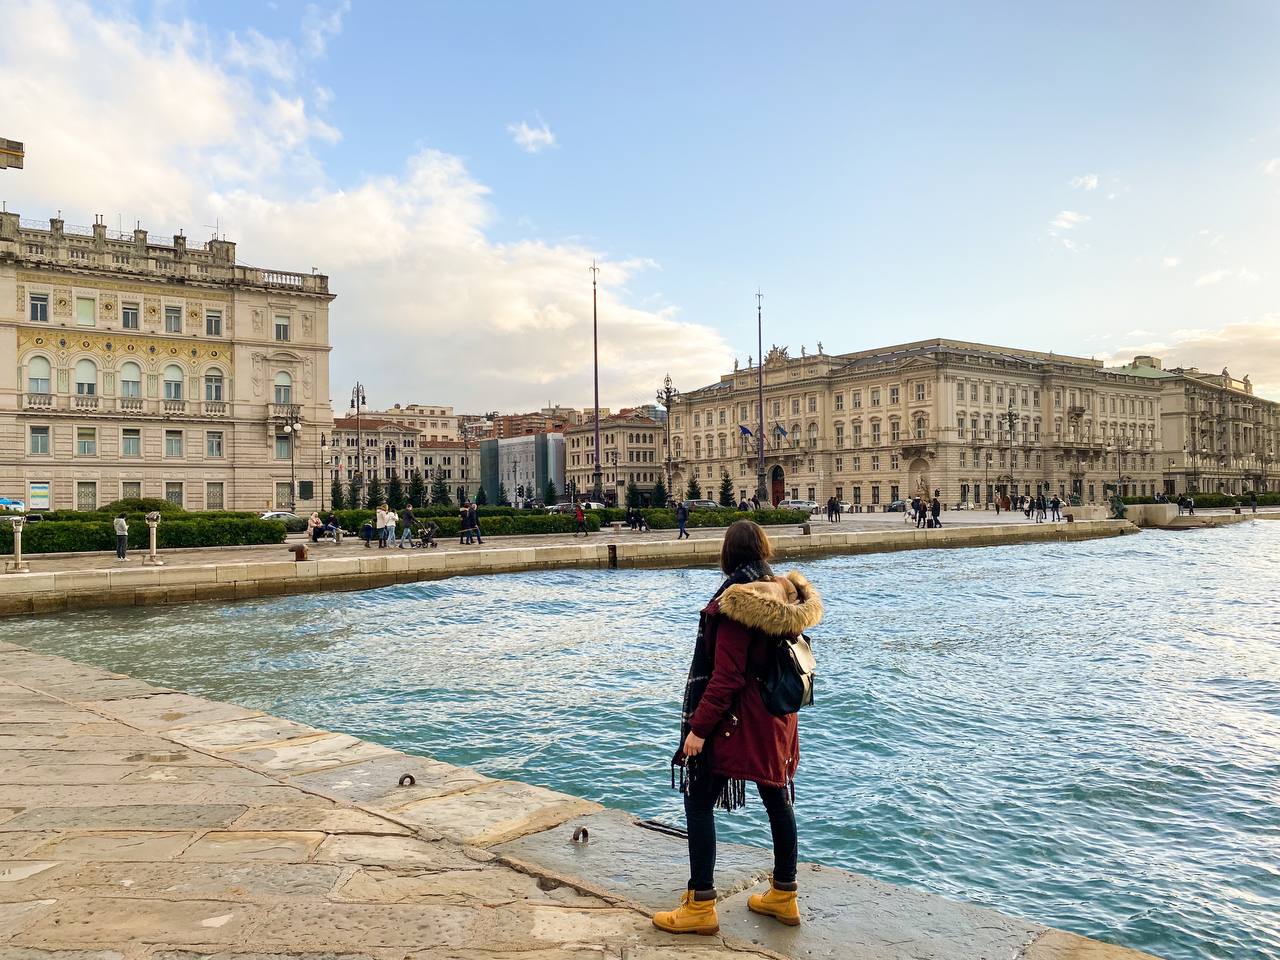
<point x="683" y="532"/>
<point x="407" y="536"/>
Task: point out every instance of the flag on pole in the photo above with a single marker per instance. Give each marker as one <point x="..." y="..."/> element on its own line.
<point x="779" y="430"/>
<point x="746" y="432"/>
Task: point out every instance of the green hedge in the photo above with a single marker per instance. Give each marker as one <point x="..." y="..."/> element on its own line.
<point x="50" y="536"/>
<point x="515" y="522"/>
<point x="663" y="519"/>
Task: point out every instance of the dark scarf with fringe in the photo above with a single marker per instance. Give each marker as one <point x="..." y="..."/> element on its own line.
<point x="695" y="769"/>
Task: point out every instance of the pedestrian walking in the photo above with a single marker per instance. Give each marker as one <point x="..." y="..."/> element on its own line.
<point x="409" y="520"/>
<point x="839" y="511"/>
<point x="380" y="525"/>
<point x="464" y="525"/>
<point x="682" y="517"/>
<point x="580" y="517"/>
<point x="935" y="508"/>
<point x="473" y="521"/>
<point x="389" y="531"/>
<point x="1055" y="506"/>
<point x="121" y="526"/>
<point x="729" y="736"/>
<point x="1191" y="506"/>
<point x="1253" y="501"/>
<point x="755" y="501"/>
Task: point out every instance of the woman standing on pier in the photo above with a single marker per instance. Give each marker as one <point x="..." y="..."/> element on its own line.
<point x="730" y="736"/>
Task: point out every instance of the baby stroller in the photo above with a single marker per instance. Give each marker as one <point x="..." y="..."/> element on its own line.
<point x="641" y="524"/>
<point x="426" y="535"/>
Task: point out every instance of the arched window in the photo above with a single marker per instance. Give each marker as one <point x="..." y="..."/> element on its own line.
<point x="213" y="384"/>
<point x="86" y="378"/>
<point x="173" y="382"/>
<point x="130" y="380"/>
<point x="284" y="388"/>
<point x="38" y="373"/>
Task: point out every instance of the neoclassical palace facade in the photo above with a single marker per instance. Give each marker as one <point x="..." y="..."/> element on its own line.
<point x="135" y="368"/>
<point x="968" y="420"/>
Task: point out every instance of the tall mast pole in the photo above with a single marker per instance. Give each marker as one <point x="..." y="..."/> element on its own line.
<point x="761" y="492"/>
<point x="597" y="492"/>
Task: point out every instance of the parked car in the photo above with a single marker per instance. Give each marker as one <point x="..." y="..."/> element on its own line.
<point x="898" y="506"/>
<point x="569" y="507"/>
<point x="808" y="505"/>
<point x="278" y="515"/>
<point x="702" y="505"/>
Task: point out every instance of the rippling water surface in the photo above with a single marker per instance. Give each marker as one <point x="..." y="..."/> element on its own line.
<point x="1083" y="734"/>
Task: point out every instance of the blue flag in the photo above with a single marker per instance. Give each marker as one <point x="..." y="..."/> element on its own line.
<point x="745" y="432"/>
<point x="778" y="429"/>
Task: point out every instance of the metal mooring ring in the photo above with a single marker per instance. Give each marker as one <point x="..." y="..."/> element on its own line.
<point x="581" y="835"/>
<point x="407" y="780"/>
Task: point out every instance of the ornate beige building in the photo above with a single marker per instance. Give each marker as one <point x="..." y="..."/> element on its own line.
<point x="135" y="368"/>
<point x="1216" y="435"/>
<point x="631" y="448"/>
<point x="880" y="425"/>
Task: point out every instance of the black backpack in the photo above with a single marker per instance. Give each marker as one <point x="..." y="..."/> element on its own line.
<point x="787" y="684"/>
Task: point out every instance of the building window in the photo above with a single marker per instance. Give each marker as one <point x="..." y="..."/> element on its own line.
<point x="813" y="404"/>
<point x="213" y="444"/>
<point x="959" y="391"/>
<point x="129" y="316"/>
<point x="131" y="442"/>
<point x="919" y="391"/>
<point x="893" y="396"/>
<point x="875" y="397"/>
<point x="795" y="405"/>
<point x="213" y="323"/>
<point x="173" y="382"/>
<point x="38" y="308"/>
<point x="284" y="388"/>
<point x="839" y="399"/>
<point x="839" y="464"/>
<point x="172" y="319"/>
<point x="283" y="446"/>
<point x="894" y="464"/>
<point x="282" y="327"/>
<point x="86" y="312"/>
<point x="895" y="432"/>
<point x="130" y="380"/>
<point x="39" y="440"/>
<point x="173" y="492"/>
<point x="875" y="493"/>
<point x="86" y="441"/>
<point x="213" y="496"/>
<point x="875" y="433"/>
<point x="131" y="489"/>
<point x="86" y="378"/>
<point x="973" y="393"/>
<point x="875" y="461"/>
<point x="38" y="373"/>
<point x="213" y="385"/>
<point x="173" y="443"/>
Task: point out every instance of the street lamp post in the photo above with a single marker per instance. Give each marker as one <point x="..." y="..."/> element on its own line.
<point x="293" y="430"/>
<point x="762" y="494"/>
<point x="358" y="402"/>
<point x="667" y="396"/>
<point x="597" y="491"/>
<point x="1011" y="418"/>
<point x="321" y="458"/>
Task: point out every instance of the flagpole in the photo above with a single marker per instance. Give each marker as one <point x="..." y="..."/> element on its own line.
<point x="761" y="493"/>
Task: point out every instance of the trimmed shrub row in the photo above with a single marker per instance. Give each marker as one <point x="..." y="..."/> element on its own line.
<point x="517" y="522"/>
<point x="70" y="536"/>
<point x="663" y="519"/>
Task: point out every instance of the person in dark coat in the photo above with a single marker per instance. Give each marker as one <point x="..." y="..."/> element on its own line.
<point x="473" y="522"/>
<point x="730" y="736"/>
<point x="682" y="517"/>
<point x="935" y="508"/>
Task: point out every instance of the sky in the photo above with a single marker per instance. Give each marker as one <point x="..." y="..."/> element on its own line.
<point x="1096" y="179"/>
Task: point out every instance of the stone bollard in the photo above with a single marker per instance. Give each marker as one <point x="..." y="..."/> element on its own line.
<point x="17" y="564"/>
<point x="151" y="560"/>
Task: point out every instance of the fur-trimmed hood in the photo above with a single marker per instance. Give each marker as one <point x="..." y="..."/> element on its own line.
<point x="782" y="607"/>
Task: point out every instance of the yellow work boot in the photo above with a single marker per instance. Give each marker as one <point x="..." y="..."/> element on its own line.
<point x="779" y="902"/>
<point x="696" y="914"/>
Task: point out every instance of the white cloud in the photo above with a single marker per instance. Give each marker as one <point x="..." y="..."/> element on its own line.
<point x="176" y="135"/>
<point x="1247" y="347"/>
<point x="532" y="139"/>
<point x="1243" y="274"/>
<point x="319" y="27"/>
<point x="1068" y="220"/>
<point x="1272" y="167"/>
<point x="1087" y="182"/>
<point x="1170" y="262"/>
<point x="253" y="51"/>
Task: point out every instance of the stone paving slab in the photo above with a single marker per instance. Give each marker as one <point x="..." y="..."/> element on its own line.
<point x="310" y="754"/>
<point x="495" y="811"/>
<point x="624" y="861"/>
<point x="376" y="781"/>
<point x="235" y="846"/>
<point x="182" y="880"/>
<point x="120" y="845"/>
<point x="253" y="731"/>
<point x="133" y="817"/>
<point x="165" y="711"/>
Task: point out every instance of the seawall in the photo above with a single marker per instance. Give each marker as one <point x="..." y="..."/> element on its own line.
<point x="227" y="579"/>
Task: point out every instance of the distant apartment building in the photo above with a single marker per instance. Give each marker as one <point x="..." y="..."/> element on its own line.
<point x="1217" y="436"/>
<point x="395" y="450"/>
<point x="631" y="452"/>
<point x="134" y="368"/>
<point x="434" y="421"/>
<point x="971" y="421"/>
<point x="521" y="467"/>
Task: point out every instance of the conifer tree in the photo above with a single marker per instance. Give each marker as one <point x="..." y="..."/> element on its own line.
<point x="440" y="489"/>
<point x="726" y="489"/>
<point x="694" y="490"/>
<point x="417" y="489"/>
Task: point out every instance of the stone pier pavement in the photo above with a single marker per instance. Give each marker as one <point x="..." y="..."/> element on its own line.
<point x="138" y="822"/>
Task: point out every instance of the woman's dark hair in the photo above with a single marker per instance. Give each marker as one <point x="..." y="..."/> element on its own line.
<point x="744" y="542"/>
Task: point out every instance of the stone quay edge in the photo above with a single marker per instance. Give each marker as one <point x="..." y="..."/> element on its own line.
<point x="142" y="823"/>
<point x="232" y="579"/>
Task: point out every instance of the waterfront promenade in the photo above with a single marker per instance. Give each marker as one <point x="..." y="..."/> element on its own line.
<point x="80" y="582"/>
<point x="138" y="823"/>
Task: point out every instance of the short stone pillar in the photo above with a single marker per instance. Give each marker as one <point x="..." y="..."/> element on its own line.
<point x="151" y="560"/>
<point x="17" y="564"/>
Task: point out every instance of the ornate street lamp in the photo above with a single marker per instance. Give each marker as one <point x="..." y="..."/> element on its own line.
<point x="667" y="396"/>
<point x="293" y="430"/>
<point x="358" y="402"/>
